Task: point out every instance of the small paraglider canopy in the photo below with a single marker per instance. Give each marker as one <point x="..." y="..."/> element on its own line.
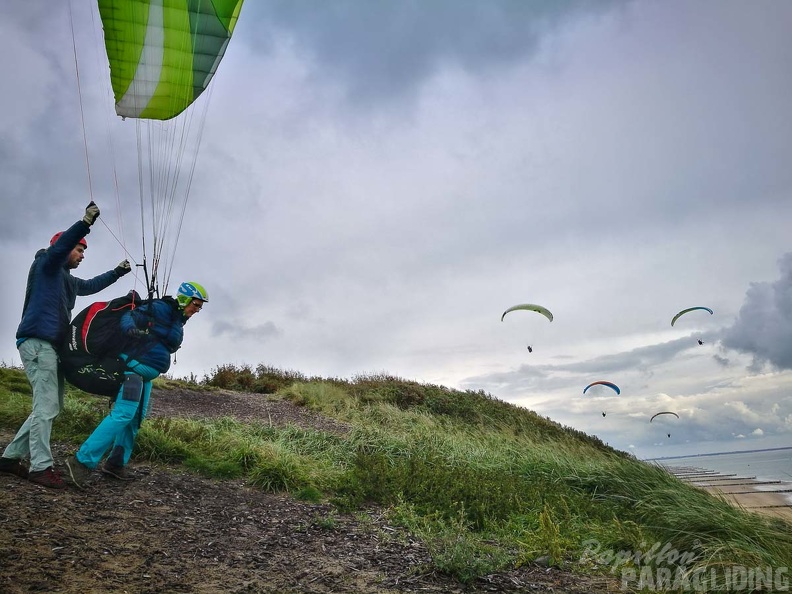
<point x="665" y="412"/>
<point x="689" y="309"/>
<point x="530" y="307"/>
<point x="611" y="385"/>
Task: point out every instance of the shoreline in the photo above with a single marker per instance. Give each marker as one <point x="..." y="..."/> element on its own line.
<point x="767" y="497"/>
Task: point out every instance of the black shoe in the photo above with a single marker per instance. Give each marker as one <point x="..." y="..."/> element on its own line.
<point x="14" y="466"/>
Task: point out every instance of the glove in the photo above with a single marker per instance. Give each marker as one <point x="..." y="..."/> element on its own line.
<point x="91" y="213"/>
<point x="137" y="333"/>
<point x="123" y="268"/>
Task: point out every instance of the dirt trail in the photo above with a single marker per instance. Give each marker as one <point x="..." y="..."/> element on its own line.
<point x="173" y="532"/>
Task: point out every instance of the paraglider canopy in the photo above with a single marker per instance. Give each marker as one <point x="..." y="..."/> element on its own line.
<point x="163" y="54"/>
<point x="665" y="412"/>
<point x="689" y="309"/>
<point x="530" y="307"/>
<point x="611" y="385"/>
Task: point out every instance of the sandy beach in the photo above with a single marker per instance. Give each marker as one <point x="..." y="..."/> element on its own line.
<point x="765" y="497"/>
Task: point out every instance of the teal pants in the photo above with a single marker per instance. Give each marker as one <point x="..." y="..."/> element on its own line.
<point x="119" y="429"/>
<point x="33" y="438"/>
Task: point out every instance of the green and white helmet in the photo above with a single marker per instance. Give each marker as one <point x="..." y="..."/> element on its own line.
<point x="189" y="291"/>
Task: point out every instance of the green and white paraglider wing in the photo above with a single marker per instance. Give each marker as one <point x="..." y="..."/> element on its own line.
<point x="530" y="307"/>
<point x="689" y="309"/>
<point x="162" y="56"/>
<point x="163" y="53"/>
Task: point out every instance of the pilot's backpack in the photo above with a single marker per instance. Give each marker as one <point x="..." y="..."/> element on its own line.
<point x="89" y="355"/>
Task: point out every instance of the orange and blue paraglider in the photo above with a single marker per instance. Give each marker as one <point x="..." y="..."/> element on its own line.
<point x="611" y="385"/>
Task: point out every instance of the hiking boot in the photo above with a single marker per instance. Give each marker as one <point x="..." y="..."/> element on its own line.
<point x="14" y="466"/>
<point x="79" y="473"/>
<point x="117" y="472"/>
<point x="48" y="477"/>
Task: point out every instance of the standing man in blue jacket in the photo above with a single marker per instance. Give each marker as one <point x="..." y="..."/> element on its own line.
<point x="49" y="299"/>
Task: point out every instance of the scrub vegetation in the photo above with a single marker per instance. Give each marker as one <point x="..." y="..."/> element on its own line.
<point x="486" y="486"/>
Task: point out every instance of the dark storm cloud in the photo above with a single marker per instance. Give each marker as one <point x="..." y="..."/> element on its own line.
<point x="763" y="327"/>
<point x="386" y="49"/>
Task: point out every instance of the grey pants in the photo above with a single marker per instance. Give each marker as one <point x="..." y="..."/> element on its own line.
<point x="33" y="438"/>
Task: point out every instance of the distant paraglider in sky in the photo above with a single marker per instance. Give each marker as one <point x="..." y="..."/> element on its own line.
<point x="701" y="342"/>
<point x="665" y="412"/>
<point x="610" y="385"/>
<point x="689" y="309"/>
<point x="530" y="307"/>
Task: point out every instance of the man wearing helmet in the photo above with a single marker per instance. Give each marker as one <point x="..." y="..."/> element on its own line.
<point x="49" y="299"/>
<point x="156" y="328"/>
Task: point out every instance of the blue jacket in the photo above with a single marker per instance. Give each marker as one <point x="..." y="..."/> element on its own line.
<point x="164" y="321"/>
<point x="52" y="290"/>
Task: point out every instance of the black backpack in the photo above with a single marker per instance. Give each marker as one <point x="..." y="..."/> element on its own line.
<point x="89" y="355"/>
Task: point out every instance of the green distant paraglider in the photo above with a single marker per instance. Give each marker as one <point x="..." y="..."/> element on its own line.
<point x="530" y="307"/>
<point x="611" y="385"/>
<point x="689" y="309"/>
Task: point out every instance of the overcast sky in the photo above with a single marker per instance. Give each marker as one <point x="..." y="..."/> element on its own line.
<point x="378" y="182"/>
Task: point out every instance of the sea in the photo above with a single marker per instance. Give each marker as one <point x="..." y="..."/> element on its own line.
<point x="767" y="465"/>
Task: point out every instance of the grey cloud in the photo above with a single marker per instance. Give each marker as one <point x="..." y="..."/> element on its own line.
<point x="640" y="358"/>
<point x="385" y="50"/>
<point x="261" y="332"/>
<point x="529" y="377"/>
<point x="764" y="323"/>
<point x="722" y="361"/>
